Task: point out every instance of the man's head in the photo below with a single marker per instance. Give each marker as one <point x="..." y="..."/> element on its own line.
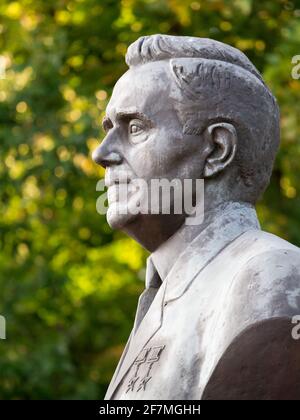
<point x="189" y="108"/>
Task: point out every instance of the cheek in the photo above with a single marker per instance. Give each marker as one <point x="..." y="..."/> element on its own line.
<point x="155" y="157"/>
<point x="149" y="162"/>
<point x="192" y="157"/>
<point x="166" y="155"/>
<point x="187" y="159"/>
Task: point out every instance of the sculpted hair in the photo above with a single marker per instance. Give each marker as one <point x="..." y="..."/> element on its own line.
<point x="219" y="83"/>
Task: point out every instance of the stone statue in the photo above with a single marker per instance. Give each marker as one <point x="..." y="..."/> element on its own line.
<point x="216" y="318"/>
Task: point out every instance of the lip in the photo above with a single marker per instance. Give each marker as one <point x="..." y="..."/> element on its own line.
<point x="112" y="182"/>
<point x="120" y="192"/>
<point x="115" y="179"/>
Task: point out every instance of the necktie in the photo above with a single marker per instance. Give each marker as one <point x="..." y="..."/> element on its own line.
<point x="153" y="282"/>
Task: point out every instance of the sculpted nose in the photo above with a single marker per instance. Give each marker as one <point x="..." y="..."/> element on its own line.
<point x="105" y="155"/>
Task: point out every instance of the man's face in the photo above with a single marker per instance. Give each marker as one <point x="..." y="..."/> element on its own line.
<point x="144" y="138"/>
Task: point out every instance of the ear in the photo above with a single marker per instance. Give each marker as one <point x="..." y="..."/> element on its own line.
<point x="222" y="138"/>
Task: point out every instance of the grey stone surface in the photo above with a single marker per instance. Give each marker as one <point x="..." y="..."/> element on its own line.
<point x="215" y="319"/>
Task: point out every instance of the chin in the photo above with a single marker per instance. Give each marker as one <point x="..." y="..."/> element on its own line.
<point x="117" y="220"/>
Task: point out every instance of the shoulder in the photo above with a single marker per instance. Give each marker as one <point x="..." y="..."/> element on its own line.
<point x="269" y="279"/>
<point x="260" y="357"/>
<point x="264" y="245"/>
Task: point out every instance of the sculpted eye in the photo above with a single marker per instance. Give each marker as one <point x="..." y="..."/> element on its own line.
<point x="135" y="129"/>
<point x="138" y="131"/>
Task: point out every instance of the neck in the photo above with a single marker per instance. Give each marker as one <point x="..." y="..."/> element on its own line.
<point x="213" y="229"/>
<point x="151" y="231"/>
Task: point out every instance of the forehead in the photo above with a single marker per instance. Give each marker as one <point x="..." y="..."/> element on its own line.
<point x="145" y="88"/>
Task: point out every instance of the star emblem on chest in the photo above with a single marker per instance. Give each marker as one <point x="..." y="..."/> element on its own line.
<point x="144" y="362"/>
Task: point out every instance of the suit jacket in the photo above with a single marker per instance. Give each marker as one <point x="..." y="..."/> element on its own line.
<point x="220" y="325"/>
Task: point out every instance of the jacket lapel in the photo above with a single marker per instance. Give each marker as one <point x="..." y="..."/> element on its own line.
<point x="148" y="327"/>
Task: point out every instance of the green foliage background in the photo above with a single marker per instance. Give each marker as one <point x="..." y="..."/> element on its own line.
<point x="69" y="285"/>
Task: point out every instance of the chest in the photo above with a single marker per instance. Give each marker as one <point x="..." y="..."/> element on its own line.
<point x="169" y="365"/>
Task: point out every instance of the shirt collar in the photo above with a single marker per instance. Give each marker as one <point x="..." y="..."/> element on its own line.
<point x="238" y="217"/>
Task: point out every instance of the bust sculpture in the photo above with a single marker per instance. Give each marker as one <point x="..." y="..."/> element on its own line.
<point x="215" y="319"/>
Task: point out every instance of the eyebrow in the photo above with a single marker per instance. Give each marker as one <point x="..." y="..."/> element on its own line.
<point x="125" y="116"/>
